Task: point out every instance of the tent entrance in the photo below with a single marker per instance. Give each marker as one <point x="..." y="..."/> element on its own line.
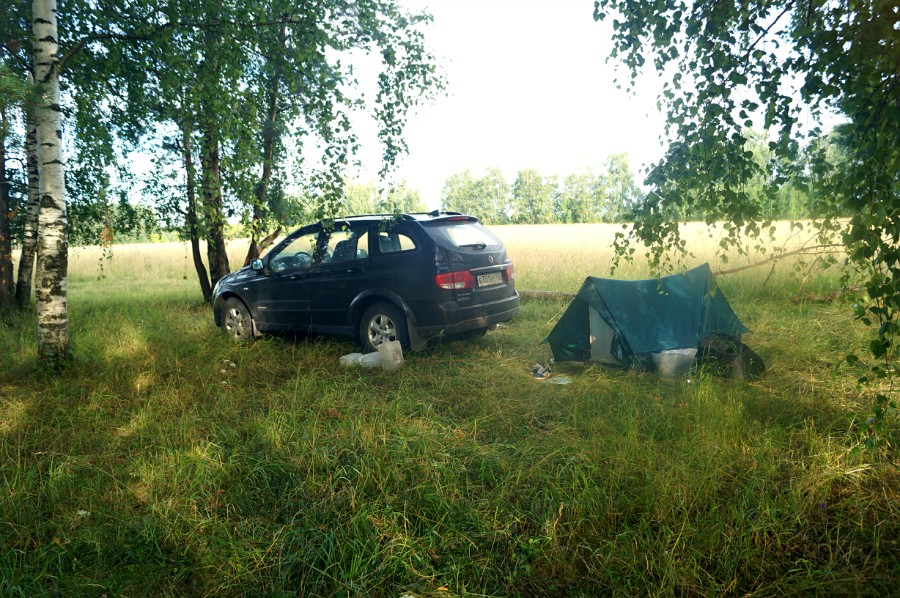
<point x="602" y="335"/>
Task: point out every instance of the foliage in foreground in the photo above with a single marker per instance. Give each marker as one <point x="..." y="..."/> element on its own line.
<point x="730" y="65"/>
<point x="168" y="460"/>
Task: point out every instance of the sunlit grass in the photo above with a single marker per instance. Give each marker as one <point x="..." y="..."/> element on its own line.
<point x="167" y="460"/>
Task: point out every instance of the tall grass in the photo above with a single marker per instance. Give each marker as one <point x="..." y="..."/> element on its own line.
<point x="167" y="460"/>
<point x="548" y="257"/>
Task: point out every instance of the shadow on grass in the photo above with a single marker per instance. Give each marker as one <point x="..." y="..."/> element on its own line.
<point x="167" y="459"/>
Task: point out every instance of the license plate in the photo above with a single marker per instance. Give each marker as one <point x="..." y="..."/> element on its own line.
<point x="486" y="280"/>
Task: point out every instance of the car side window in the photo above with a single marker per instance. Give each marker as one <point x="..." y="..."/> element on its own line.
<point x="346" y="245"/>
<point x="362" y="246"/>
<point x="299" y="253"/>
<point x="394" y="242"/>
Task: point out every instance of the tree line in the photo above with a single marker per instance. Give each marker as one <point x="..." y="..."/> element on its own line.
<point x="607" y="195"/>
<point x="611" y="193"/>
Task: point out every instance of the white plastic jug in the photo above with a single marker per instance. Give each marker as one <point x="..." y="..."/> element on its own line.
<point x="391" y="355"/>
<point x="674" y="362"/>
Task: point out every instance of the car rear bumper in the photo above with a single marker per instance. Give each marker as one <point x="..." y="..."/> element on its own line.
<point x="455" y="319"/>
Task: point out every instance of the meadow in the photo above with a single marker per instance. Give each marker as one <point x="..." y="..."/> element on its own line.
<point x="166" y="460"/>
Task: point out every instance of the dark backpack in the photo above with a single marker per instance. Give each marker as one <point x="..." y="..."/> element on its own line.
<point x="727" y="356"/>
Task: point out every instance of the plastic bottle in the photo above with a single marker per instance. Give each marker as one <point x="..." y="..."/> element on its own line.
<point x="391" y="353"/>
<point x="369" y="360"/>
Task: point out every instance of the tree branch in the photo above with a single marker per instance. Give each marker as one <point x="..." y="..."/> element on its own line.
<point x="765" y="32"/>
<point x="158" y="29"/>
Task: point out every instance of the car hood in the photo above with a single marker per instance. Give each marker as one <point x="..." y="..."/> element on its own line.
<point x="234" y="277"/>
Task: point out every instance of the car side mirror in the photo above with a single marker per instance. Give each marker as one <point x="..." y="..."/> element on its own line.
<point x="256" y="265"/>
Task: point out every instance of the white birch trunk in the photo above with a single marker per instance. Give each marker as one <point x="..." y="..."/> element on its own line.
<point x="52" y="260"/>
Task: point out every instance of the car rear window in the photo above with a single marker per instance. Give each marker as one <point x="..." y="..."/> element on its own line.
<point x="463" y="235"/>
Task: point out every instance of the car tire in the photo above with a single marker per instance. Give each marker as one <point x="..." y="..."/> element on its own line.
<point x="236" y="321"/>
<point x="382" y="322"/>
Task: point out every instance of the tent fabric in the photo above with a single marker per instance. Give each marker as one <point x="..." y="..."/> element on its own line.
<point x="619" y="321"/>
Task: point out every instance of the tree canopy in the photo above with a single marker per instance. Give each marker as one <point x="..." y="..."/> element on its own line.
<point x="246" y="98"/>
<point x="232" y="91"/>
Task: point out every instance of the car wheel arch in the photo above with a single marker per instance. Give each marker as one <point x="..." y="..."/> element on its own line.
<point x="368" y="298"/>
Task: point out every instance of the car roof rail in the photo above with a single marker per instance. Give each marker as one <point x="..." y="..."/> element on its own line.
<point x="414" y="216"/>
<point x="436" y="213"/>
<point x="386" y="215"/>
<point x="439" y="214"/>
<point x="451" y="216"/>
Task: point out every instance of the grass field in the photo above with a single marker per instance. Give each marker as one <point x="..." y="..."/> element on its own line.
<point x="168" y="461"/>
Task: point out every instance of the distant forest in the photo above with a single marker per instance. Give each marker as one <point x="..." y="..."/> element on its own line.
<point x="610" y="193"/>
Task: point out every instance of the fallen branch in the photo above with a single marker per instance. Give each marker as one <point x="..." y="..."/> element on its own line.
<point x="825" y="298"/>
<point x="814" y="250"/>
<point x="545" y="295"/>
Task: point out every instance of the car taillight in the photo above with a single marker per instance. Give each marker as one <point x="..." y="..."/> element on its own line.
<point x="510" y="273"/>
<point x="455" y="280"/>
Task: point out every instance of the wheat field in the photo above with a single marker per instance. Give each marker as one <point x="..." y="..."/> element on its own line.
<point x="553" y="257"/>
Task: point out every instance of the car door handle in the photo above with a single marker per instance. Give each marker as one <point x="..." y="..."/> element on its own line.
<point x="353" y="270"/>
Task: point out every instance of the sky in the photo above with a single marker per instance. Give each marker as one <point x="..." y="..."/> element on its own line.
<point x="528" y="86"/>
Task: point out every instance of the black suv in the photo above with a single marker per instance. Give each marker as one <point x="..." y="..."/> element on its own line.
<point x="405" y="277"/>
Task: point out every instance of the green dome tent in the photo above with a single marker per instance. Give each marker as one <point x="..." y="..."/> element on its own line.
<point x="625" y="322"/>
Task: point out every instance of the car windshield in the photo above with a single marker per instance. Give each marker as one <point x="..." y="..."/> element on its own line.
<point x="469" y="235"/>
<point x="300" y="252"/>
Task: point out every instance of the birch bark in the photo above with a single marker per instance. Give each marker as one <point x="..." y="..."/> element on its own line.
<point x="52" y="250"/>
<point x="270" y="138"/>
<point x="212" y="199"/>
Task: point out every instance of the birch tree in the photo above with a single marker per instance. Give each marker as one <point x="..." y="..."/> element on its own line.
<point x="239" y="71"/>
<point x="52" y="252"/>
<point x="495" y="194"/>
<point x="460" y="194"/>
<point x="245" y="81"/>
<point x="91" y="139"/>
<point x="576" y="200"/>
